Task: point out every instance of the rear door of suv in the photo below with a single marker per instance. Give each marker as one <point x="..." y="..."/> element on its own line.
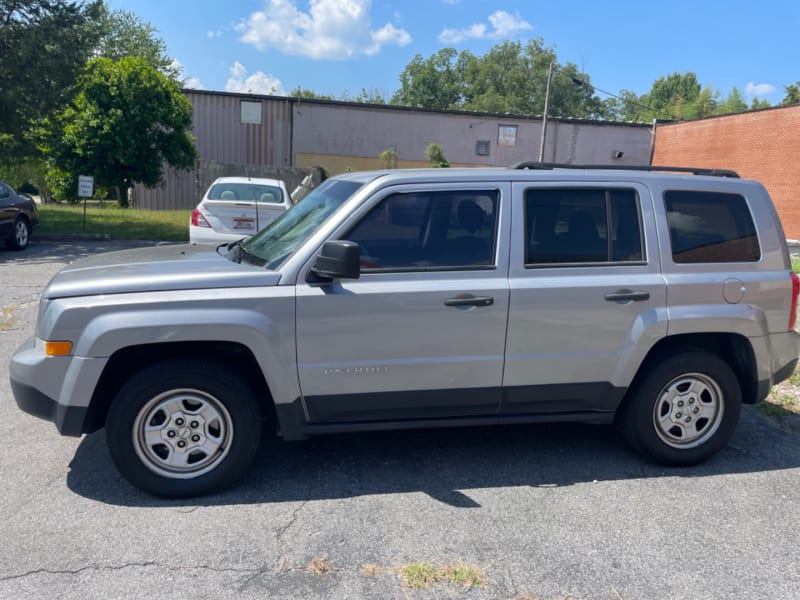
<point x="587" y="296"/>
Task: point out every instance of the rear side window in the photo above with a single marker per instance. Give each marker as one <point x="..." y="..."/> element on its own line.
<point x="582" y="225"/>
<point x="710" y="227"/>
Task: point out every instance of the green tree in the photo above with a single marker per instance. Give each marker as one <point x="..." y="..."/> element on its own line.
<point x="672" y="97"/>
<point x="435" y="156"/>
<point x="706" y="104"/>
<point x="44" y="44"/>
<point x="435" y="82"/>
<point x="734" y="103"/>
<point x="368" y="96"/>
<point x="301" y="92"/>
<point x="127" y="120"/>
<point x="124" y="34"/>
<point x="758" y="104"/>
<point x="626" y="107"/>
<point x="509" y="78"/>
<point x="792" y="94"/>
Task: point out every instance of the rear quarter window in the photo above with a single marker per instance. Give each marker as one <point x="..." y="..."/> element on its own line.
<point x="710" y="227"/>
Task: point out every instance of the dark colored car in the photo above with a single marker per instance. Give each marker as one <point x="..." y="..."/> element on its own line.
<point x="18" y="217"/>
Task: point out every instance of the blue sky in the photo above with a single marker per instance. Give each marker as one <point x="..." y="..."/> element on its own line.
<point x="337" y="46"/>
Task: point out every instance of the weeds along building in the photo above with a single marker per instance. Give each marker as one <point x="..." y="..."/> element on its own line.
<point x="279" y="136"/>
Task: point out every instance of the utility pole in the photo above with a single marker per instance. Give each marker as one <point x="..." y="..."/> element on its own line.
<point x="546" y="109"/>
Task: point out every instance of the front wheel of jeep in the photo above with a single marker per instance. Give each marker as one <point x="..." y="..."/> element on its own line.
<point x="183" y="428"/>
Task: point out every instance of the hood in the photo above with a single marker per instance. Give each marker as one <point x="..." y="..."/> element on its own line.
<point x="156" y="269"/>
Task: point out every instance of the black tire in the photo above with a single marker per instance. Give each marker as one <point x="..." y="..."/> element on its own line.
<point x="684" y="410"/>
<point x="183" y="428"/>
<point x="20" y="235"/>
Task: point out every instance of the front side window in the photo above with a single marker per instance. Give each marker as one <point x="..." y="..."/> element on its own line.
<point x="582" y="225"/>
<point x="429" y="231"/>
<point x="710" y="227"/>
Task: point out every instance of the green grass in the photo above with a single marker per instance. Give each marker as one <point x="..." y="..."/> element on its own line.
<point x="423" y="575"/>
<point x="115" y="222"/>
<point x="772" y="409"/>
<point x="796" y="264"/>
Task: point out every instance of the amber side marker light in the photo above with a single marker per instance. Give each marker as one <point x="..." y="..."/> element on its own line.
<point x="57" y="348"/>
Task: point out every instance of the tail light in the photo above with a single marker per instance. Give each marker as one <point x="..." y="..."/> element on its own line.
<point x="198" y="220"/>
<point x="795" y="292"/>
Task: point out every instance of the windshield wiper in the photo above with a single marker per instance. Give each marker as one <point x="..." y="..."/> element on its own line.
<point x="237" y="253"/>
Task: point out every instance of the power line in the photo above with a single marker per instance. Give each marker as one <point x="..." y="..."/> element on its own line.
<point x="581" y="82"/>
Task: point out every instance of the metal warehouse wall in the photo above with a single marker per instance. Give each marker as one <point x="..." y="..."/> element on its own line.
<point x="340" y="136"/>
<point x="221" y="136"/>
<point x="762" y="145"/>
<point x="337" y="136"/>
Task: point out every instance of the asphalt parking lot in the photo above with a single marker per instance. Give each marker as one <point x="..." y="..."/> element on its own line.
<point x="550" y="512"/>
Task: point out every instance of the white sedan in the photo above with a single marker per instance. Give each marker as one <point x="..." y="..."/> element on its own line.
<point x="236" y="207"/>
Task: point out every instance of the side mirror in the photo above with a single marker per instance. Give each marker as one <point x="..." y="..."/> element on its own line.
<point x="338" y="259"/>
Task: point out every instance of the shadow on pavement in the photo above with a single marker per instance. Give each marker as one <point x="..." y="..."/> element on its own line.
<point x="445" y="464"/>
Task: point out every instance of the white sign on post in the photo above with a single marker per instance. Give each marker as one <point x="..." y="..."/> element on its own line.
<point x="85" y="186"/>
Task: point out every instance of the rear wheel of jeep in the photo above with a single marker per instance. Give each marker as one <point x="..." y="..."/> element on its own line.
<point x="684" y="410"/>
<point x="183" y="428"/>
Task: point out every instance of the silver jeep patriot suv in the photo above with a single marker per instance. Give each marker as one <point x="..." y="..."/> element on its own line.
<point x="657" y="298"/>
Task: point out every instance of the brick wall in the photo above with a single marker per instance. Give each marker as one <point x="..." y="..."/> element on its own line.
<point x="762" y="145"/>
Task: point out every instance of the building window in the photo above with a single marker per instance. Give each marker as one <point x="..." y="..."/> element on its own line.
<point x="251" y="112"/>
<point x="482" y="148"/>
<point x="507" y="135"/>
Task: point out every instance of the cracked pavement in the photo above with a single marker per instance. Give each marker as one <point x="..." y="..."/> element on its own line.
<point x="549" y="511"/>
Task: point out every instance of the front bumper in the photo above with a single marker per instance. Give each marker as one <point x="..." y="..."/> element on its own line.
<point x="36" y="381"/>
<point x="69" y="420"/>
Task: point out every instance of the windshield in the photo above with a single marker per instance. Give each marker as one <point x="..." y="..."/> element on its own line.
<point x="250" y="192"/>
<point x="284" y="235"/>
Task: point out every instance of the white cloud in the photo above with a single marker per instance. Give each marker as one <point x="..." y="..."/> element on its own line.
<point x="214" y="34"/>
<point x="758" y="89"/>
<point x="193" y="83"/>
<point x="257" y="83"/>
<point x="389" y="34"/>
<point x="451" y="1"/>
<point x="504" y="26"/>
<point x="332" y="29"/>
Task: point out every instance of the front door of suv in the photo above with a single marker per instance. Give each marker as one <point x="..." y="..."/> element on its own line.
<point x="421" y="334"/>
<point x="587" y="296"/>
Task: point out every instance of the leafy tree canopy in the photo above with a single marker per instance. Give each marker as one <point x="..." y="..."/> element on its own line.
<point x="127" y="119"/>
<point x="44" y="44"/>
<point x="792" y="94"/>
<point x="123" y="34"/>
<point x="509" y="78"/>
<point x="678" y="96"/>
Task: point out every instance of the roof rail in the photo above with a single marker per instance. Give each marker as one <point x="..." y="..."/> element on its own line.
<point x="693" y="170"/>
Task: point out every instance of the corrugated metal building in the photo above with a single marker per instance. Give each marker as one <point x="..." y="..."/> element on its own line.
<point x="253" y="130"/>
